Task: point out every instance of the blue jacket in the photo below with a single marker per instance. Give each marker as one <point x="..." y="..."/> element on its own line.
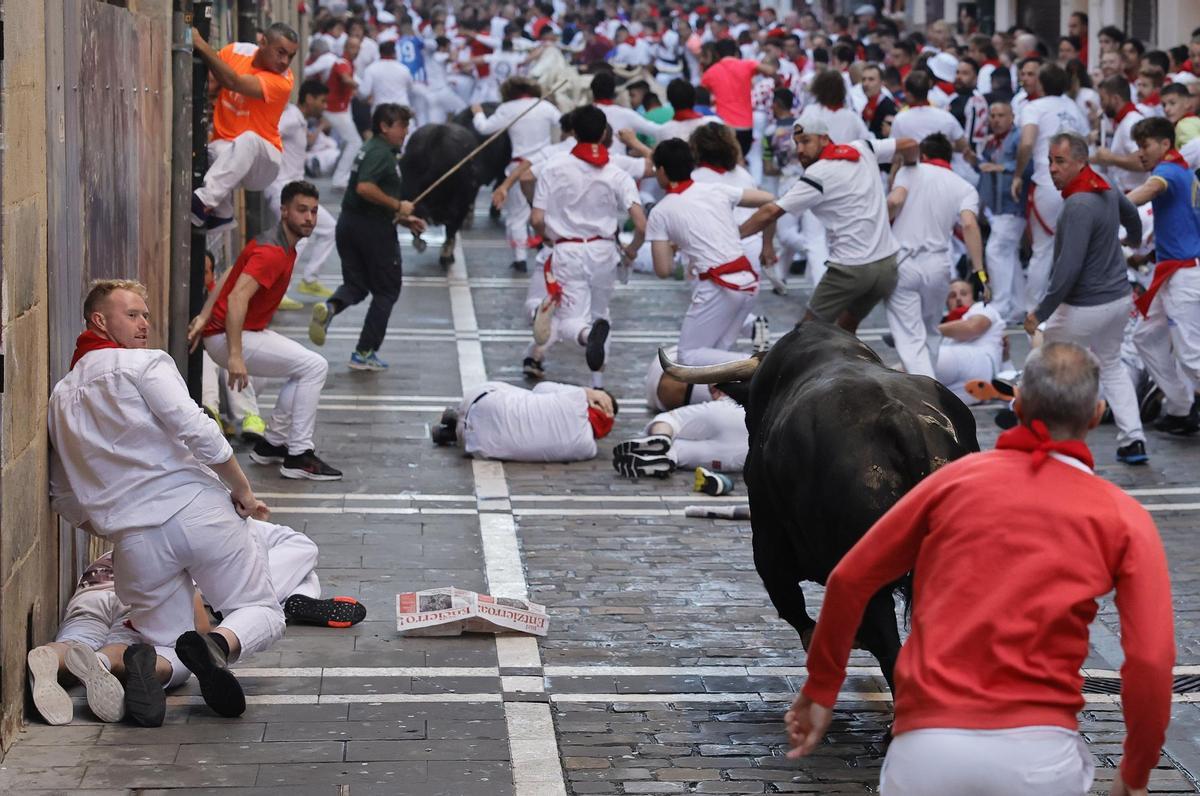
<point x="995" y="189"/>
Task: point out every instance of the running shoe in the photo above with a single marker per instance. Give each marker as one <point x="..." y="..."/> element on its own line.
<point x="311" y="287"/>
<point x="367" y="360"/>
<point x="266" y="453"/>
<point x="1180" y="425"/>
<point x="212" y="412"/>
<point x="334" y="612"/>
<point x="519" y="266"/>
<point x="760" y="338"/>
<point x="1133" y="453"/>
<point x="654" y="445"/>
<point x="982" y="390"/>
<point x="319" y="324"/>
<point x="50" y="699"/>
<point x="532" y="368"/>
<point x="542" y="320"/>
<point x="204" y="658"/>
<point x="712" y="483"/>
<point x="145" y="699"/>
<point x="308" y="465"/>
<point x="637" y="465"/>
<point x="287" y="304"/>
<point x="105" y="696"/>
<point x="253" y="428"/>
<point x="200" y="213"/>
<point x="596" y="339"/>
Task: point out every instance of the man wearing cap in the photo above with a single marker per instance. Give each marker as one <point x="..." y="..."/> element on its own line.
<point x="943" y="67"/>
<point x="841" y="186"/>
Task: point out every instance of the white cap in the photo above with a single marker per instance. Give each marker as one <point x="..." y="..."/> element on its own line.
<point x="865" y="10"/>
<point x="943" y="66"/>
<point x="386" y="18"/>
<point x="811" y="122"/>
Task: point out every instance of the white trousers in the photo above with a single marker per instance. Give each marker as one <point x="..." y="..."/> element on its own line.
<point x="313" y="251"/>
<point x="535" y="289"/>
<point x="714" y="320"/>
<point x="1025" y="761"/>
<point x="1047" y="201"/>
<point x="248" y="161"/>
<point x="270" y="354"/>
<point x="206" y="542"/>
<point x="587" y="273"/>
<point x="1102" y="328"/>
<point x="1168" y="340"/>
<point x="437" y="105"/>
<point x="958" y="364"/>
<point x="1005" y="277"/>
<point x="516" y="219"/>
<point x="213" y="382"/>
<point x="291" y="560"/>
<point x="914" y="307"/>
<point x="342" y="124"/>
<point x="710" y="434"/>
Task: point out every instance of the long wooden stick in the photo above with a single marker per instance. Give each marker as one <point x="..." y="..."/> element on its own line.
<point x="481" y="147"/>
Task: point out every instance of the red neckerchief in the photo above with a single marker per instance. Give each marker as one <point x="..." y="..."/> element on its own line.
<point x="1086" y="181"/>
<point x="1126" y="109"/>
<point x="604" y="102"/>
<point x="904" y="70"/>
<point x="711" y="167"/>
<point x="839" y="152"/>
<point x="868" y="113"/>
<point x="88" y="342"/>
<point x="1173" y="156"/>
<point x="834" y="108"/>
<point x="998" y="139"/>
<point x="801" y="61"/>
<point x="918" y="103"/>
<point x="1035" y="438"/>
<point x="601" y="423"/>
<point x="992" y="62"/>
<point x="955" y="314"/>
<point x="936" y="162"/>
<point x="595" y="154"/>
<point x="946" y="86"/>
<point x="1154" y="99"/>
<point x="685" y="115"/>
<point x="680" y="187"/>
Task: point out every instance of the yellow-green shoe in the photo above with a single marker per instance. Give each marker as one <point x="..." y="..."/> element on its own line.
<point x="314" y="288"/>
<point x="253" y="428"/>
<point x="286" y="303"/>
<point x="321" y="316"/>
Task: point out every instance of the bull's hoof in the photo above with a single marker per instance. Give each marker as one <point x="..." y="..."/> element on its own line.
<point x="446" y="260"/>
<point x="419" y="244"/>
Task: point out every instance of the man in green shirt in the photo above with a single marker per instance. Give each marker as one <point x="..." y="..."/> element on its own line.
<point x="366" y="237"/>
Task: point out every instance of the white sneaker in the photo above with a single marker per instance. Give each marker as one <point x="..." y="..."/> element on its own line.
<point x="50" y="699"/>
<point x="760" y="338"/>
<point x="105" y="695"/>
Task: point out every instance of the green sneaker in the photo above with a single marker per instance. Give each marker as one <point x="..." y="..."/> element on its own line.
<point x="321" y="316"/>
<point x="314" y="288"/>
<point x="286" y="303"/>
<point x="253" y="428"/>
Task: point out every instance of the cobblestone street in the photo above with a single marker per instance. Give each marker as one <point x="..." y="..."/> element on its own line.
<point x="665" y="669"/>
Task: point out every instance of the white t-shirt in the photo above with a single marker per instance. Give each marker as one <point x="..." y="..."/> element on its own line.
<point x="368" y="53"/>
<point x="682" y="129"/>
<point x="847" y="198"/>
<point x="844" y="124"/>
<point x="1122" y="143"/>
<point x="1052" y="115"/>
<point x="581" y="200"/>
<point x="546" y="424"/>
<point x="925" y="120"/>
<point x="531" y="133"/>
<point x="700" y="221"/>
<point x="936" y="196"/>
<point x="386" y="80"/>
<point x="991" y="342"/>
<point x="622" y="118"/>
<point x="293" y="129"/>
<point x="739" y="178"/>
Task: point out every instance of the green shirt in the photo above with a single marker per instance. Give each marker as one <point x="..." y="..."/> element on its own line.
<point x="660" y="115"/>
<point x="377" y="163"/>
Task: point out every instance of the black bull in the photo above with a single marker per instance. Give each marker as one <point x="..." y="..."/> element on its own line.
<point x="435" y="149"/>
<point x="836" y="438"/>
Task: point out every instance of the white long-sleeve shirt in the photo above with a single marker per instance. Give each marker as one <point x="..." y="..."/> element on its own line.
<point x="130" y="446"/>
<point x="546" y="424"/>
<point x="386" y="80"/>
<point x="531" y="134"/>
<point x="622" y="118"/>
<point x="293" y="131"/>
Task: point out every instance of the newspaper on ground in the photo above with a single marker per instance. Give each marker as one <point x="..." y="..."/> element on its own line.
<point x="734" y="512"/>
<point x="449" y="611"/>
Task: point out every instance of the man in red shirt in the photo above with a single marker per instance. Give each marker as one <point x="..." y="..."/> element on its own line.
<point x="246" y="150"/>
<point x="342" y="86"/>
<point x="234" y="324"/>
<point x="728" y="78"/>
<point x="1009" y="551"/>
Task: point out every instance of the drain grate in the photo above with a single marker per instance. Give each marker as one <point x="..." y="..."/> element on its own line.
<point x="1183" y="684"/>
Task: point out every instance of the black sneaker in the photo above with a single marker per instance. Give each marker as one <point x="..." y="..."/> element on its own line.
<point x="145" y="699"/>
<point x="1180" y="425"/>
<point x="637" y="465"/>
<point x="654" y="444"/>
<point x="444" y="435"/>
<point x="519" y="266"/>
<point x="1006" y="419"/>
<point x="449" y="416"/>
<point x="888" y="339"/>
<point x="798" y="267"/>
<point x="334" y="612"/>
<point x="266" y="453"/>
<point x="532" y="368"/>
<point x="596" y="339"/>
<point x="204" y="658"/>
<point x="1133" y="453"/>
<point x="308" y="465"/>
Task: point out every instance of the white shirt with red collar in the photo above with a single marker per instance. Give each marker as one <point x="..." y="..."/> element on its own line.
<point x="546" y="424"/>
<point x="936" y="196"/>
<point x="582" y="200"/>
<point x="700" y="220"/>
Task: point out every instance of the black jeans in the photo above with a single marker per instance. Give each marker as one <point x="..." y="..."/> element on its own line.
<point x="370" y="254"/>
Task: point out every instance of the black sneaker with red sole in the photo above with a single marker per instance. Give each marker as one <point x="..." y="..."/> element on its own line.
<point x="308" y="465"/>
<point x="333" y="612"/>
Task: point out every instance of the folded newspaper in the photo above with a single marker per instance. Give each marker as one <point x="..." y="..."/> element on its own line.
<point x="447" y="611"/>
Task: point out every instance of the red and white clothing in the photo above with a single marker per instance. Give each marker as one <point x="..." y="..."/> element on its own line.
<point x="313" y="251"/>
<point x="546" y="424"/>
<point x="960" y="361"/>
<point x="921" y="121"/>
<point x="1117" y="135"/>
<point x="623" y="118"/>
<point x="268" y="260"/>
<point x="981" y="655"/>
<point x="683" y="125"/>
<point x="698" y="218"/>
<point x="341" y="120"/>
<point x="739" y="178"/>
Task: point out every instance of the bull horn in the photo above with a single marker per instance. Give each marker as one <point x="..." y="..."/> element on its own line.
<point x="738" y="370"/>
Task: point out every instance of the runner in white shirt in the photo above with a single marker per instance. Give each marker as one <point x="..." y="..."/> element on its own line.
<point x="844" y="124"/>
<point x="668" y="57"/>
<point x="1118" y="152"/>
<point x="604" y="92"/>
<point x="579" y="200"/>
<point x="1040" y="120"/>
<point x="502" y="65"/>
<point x="131" y="462"/>
<point x="529" y="134"/>
<point x="681" y="96"/>
<point x="697" y="218"/>
<point x="841" y="186"/>
<point x="972" y="343"/>
<point x="313" y="251"/>
<point x="551" y="423"/>
<point x="386" y="80"/>
<point x="921" y="119"/>
<point x="927" y="202"/>
<point x="439" y="99"/>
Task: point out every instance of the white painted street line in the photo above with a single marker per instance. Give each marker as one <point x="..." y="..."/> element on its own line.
<point x="419" y="497"/>
<point x="371" y="699"/>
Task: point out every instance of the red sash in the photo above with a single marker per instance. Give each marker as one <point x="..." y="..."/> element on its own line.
<point x="1031" y="211"/>
<point x="1162" y="272"/>
<point x="740" y="265"/>
<point x="553" y="289"/>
